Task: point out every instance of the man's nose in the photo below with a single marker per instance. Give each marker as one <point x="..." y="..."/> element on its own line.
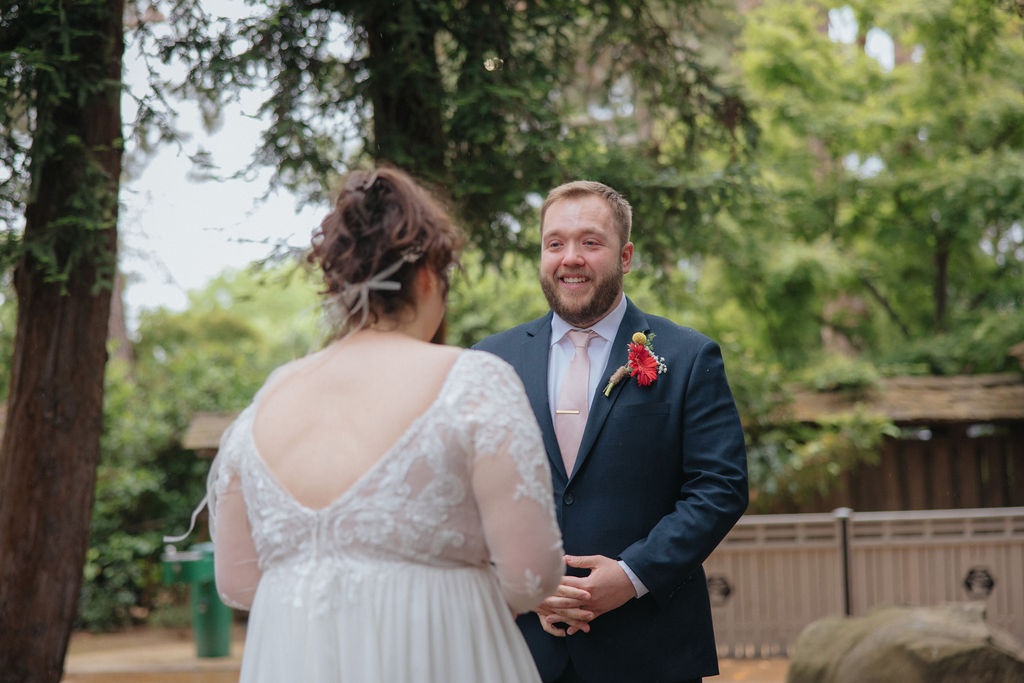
<point x="573" y="255"/>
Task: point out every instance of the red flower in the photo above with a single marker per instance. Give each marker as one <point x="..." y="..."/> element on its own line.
<point x="642" y="364"/>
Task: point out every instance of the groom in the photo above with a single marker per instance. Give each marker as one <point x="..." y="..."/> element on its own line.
<point x="648" y="463"/>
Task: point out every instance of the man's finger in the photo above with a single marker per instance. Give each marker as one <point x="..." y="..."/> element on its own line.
<point x="550" y="628"/>
<point x="576" y="629"/>
<point x="582" y="561"/>
<point x="554" y="602"/>
<point x="576" y="583"/>
<point x="570" y="615"/>
<point x="571" y="590"/>
<point x="572" y="624"/>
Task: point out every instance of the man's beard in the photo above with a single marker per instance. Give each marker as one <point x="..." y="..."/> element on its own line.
<point x="588" y="311"/>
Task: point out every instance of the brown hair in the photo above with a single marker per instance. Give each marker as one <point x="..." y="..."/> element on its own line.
<point x="622" y="213"/>
<point x="382" y="218"/>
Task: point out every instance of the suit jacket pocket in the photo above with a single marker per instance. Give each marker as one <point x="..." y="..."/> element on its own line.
<point x="659" y="408"/>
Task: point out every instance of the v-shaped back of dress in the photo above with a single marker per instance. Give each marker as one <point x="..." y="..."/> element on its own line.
<point x="411" y="505"/>
<point x="401" y="444"/>
<point x="410" y="573"/>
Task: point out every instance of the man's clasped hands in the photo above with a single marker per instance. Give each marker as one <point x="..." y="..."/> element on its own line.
<point x="581" y="599"/>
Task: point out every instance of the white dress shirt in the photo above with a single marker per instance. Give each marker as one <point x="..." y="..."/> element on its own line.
<point x="599" y="351"/>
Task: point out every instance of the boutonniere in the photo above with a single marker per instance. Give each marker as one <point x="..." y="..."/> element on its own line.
<point x="641" y="363"/>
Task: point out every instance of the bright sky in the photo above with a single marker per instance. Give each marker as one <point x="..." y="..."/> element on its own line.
<point x="176" y="233"/>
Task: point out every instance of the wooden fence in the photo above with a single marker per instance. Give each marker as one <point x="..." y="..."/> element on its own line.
<point x="934" y="467"/>
<point x="775" y="574"/>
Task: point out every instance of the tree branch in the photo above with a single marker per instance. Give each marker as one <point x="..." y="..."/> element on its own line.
<point x="886" y="305"/>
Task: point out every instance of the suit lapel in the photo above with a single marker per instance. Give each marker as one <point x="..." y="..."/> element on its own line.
<point x="535" y="380"/>
<point x="601" y="405"/>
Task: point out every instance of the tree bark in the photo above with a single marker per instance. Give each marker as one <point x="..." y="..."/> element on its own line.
<point x="405" y="86"/>
<point x="117" y="331"/>
<point x="51" y="441"/>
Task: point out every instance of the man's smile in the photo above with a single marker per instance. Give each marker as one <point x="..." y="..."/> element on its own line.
<point x="574" y="279"/>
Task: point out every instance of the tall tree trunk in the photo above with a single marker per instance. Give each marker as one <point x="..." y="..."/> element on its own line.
<point x="117" y="331"/>
<point x="51" y="441"/>
<point x="405" y="86"/>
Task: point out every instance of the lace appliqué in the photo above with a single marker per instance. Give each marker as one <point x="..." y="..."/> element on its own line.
<point x="412" y="506"/>
<point x="506" y="430"/>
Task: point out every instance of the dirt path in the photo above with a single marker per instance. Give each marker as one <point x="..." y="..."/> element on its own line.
<point x="154" y="655"/>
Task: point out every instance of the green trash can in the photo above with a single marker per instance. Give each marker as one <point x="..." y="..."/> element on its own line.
<point x="211" y="618"/>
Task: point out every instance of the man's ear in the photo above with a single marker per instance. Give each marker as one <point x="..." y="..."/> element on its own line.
<point x="627" y="256"/>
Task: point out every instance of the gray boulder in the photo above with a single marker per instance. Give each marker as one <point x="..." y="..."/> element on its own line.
<point x="944" y="644"/>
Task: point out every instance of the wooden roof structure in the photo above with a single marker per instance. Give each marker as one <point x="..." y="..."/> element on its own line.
<point x="922" y="400"/>
<point x="904" y="400"/>
<point x="204" y="431"/>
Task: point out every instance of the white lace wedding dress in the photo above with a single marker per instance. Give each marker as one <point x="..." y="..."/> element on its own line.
<point x="413" y="573"/>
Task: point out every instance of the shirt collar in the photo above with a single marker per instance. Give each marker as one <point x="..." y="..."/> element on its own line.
<point x="606" y="327"/>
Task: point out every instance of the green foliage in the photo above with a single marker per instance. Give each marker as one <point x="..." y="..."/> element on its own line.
<point x="485" y="298"/>
<point x="54" y="58"/>
<point x="144" y="482"/>
<point x="886" y="218"/>
<point x="879" y="207"/>
<point x="242" y="323"/>
<point x="839" y="373"/>
<point x="212" y="357"/>
<point x="970" y="349"/>
<point x="791" y="463"/>
<point x="485" y="100"/>
<point x="8" y="327"/>
<point x="914" y="174"/>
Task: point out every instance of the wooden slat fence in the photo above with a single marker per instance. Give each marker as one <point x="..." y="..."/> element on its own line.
<point x="775" y="574"/>
<point x="949" y="467"/>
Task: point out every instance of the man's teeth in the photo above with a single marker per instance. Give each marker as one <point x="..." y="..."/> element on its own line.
<point x="574" y="280"/>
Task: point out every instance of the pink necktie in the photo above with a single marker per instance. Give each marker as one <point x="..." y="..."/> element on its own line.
<point x="574" y="400"/>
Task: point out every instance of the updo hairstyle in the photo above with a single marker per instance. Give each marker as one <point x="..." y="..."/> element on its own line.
<point x="382" y="218"/>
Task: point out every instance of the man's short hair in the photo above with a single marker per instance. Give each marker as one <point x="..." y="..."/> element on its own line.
<point x="622" y="212"/>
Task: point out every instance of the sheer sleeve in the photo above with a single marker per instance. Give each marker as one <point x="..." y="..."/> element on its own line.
<point x="235" y="560"/>
<point x="511" y="481"/>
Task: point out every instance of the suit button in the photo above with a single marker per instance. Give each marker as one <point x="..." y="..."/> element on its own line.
<point x="569" y="499"/>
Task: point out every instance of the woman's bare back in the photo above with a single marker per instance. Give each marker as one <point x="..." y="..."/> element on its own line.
<point x="331" y="416"/>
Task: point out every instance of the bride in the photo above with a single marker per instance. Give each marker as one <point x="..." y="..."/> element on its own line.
<point x="384" y="507"/>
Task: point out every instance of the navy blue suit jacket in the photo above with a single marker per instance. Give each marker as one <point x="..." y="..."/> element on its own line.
<point x="660" y="478"/>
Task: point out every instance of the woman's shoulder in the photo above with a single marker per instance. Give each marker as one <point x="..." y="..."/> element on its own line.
<point x="484" y="374"/>
<point x="285" y="370"/>
<point x="487" y="361"/>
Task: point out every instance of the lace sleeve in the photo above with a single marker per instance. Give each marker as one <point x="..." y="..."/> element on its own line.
<point x="512" y="485"/>
<point x="235" y="560"/>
